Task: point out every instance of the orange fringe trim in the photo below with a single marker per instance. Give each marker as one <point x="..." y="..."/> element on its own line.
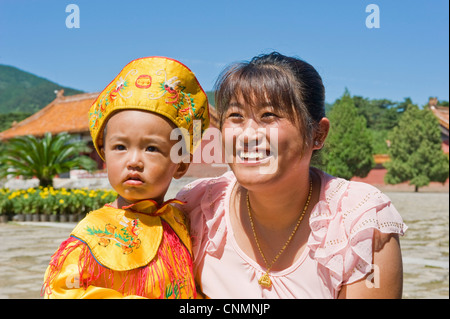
<point x="175" y="260"/>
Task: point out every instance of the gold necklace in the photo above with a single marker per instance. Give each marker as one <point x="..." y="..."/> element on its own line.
<point x="265" y="279"/>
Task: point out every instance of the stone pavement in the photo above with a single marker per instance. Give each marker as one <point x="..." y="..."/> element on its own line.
<point x="26" y="248"/>
<point x="24" y="255"/>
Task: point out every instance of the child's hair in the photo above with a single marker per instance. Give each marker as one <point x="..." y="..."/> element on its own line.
<point x="289" y="84"/>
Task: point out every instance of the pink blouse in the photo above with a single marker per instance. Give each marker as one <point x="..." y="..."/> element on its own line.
<point x="338" y="252"/>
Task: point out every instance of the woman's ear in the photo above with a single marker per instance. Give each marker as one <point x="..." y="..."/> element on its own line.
<point x="321" y="134"/>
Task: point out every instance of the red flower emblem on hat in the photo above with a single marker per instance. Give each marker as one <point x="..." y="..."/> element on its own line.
<point x="144" y="81"/>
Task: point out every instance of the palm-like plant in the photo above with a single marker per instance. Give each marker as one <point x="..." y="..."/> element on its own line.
<point x="44" y="158"/>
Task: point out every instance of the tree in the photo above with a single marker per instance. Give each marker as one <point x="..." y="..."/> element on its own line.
<point x="7" y="119"/>
<point x="348" y="149"/>
<point x="44" y="158"/>
<point x="415" y="152"/>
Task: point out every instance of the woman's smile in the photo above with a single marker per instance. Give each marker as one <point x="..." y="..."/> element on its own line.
<point x="257" y="157"/>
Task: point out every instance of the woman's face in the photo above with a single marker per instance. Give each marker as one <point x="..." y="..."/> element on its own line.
<point x="262" y="146"/>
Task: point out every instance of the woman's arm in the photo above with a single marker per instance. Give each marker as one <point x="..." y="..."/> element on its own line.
<point x="386" y="278"/>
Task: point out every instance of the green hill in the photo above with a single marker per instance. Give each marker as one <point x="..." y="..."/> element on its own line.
<point x="23" y="92"/>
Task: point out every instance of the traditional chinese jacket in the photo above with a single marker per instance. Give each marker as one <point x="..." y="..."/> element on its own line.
<point x="141" y="250"/>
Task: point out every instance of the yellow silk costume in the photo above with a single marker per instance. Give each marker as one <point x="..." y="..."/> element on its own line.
<point x="138" y="251"/>
<point x="141" y="250"/>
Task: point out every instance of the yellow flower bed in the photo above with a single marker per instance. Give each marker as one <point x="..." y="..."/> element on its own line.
<point x="49" y="200"/>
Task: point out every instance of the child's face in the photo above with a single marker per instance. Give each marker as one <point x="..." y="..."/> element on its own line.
<point x="137" y="155"/>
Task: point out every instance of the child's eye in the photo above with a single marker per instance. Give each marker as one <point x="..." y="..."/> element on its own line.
<point x="120" y="147"/>
<point x="151" y="149"/>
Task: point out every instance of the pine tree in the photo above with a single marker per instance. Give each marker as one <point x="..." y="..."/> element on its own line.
<point x="348" y="149"/>
<point x="415" y="152"/>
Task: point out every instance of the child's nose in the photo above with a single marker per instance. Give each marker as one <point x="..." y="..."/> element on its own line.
<point x="135" y="161"/>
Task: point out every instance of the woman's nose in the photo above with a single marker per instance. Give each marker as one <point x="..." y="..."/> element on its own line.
<point x="252" y="134"/>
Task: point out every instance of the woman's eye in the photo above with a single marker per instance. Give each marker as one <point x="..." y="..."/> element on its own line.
<point x="269" y="114"/>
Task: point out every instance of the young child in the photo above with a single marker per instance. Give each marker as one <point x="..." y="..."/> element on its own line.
<point x="139" y="245"/>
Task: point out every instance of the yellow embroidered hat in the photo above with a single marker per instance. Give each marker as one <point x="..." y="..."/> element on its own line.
<point x="155" y="84"/>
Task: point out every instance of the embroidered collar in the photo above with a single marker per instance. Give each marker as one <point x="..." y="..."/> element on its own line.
<point x="150" y="207"/>
<point x="128" y="238"/>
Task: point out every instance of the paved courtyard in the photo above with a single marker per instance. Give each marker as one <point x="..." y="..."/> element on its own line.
<point x="26" y="249"/>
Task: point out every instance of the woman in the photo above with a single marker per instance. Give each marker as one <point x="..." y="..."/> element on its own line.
<point x="274" y="227"/>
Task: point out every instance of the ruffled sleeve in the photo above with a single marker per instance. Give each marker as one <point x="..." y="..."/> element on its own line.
<point x="342" y="228"/>
<point x="205" y="209"/>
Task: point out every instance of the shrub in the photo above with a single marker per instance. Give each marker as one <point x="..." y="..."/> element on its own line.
<point x="47" y="200"/>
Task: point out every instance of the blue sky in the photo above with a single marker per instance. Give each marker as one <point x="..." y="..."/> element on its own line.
<point x="408" y="56"/>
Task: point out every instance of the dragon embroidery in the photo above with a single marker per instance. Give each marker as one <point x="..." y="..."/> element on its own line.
<point x="125" y="238"/>
<point x="178" y="98"/>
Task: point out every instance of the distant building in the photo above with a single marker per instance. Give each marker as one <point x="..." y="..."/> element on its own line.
<point x="70" y="114"/>
<point x="441" y="113"/>
<point x="376" y="175"/>
<point x="63" y="114"/>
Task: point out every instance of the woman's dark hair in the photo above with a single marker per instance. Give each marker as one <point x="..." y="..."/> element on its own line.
<point x="289" y="84"/>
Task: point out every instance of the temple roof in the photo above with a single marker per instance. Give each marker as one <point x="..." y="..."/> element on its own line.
<point x="442" y="115"/>
<point x="64" y="114"/>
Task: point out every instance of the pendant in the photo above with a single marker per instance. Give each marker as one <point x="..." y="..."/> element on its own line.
<point x="265" y="281"/>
